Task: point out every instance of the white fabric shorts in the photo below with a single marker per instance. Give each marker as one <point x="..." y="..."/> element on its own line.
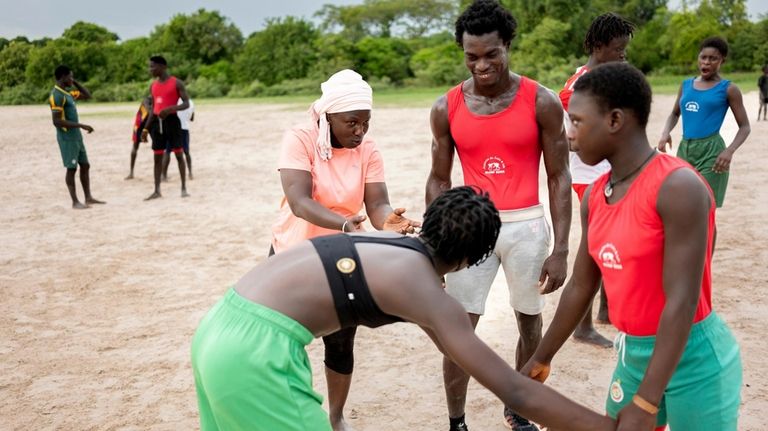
<point x="521" y="249"/>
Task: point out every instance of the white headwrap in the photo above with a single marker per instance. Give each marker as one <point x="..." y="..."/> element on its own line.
<point x="344" y="91"/>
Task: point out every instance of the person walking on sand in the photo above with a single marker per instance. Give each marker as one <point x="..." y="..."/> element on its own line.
<point x="500" y="124"/>
<point x="163" y="123"/>
<point x="249" y="361"/>
<point x="606" y="41"/>
<point x="703" y="102"/>
<point x="65" y="119"/>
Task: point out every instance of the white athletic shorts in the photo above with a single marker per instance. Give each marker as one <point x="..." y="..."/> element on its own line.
<point x="521" y="249"/>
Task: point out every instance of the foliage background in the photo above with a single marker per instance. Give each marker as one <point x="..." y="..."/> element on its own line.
<point x="392" y="43"/>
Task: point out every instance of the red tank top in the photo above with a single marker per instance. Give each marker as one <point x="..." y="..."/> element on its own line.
<point x="499" y="153"/>
<point x="626" y="240"/>
<point x="164" y="94"/>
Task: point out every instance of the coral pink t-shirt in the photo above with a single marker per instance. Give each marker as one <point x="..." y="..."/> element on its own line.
<point x="337" y="184"/>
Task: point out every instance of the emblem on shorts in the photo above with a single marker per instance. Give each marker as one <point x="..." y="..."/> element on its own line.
<point x="346" y="265"/>
<point x="617" y="394"/>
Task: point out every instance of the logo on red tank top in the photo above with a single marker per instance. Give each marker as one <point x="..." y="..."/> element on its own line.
<point x="493" y="166"/>
<point x="609" y="257"/>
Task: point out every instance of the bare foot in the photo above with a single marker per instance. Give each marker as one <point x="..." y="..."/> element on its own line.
<point x="94" y="201"/>
<point x="154" y="195"/>
<point x="184" y="193"/>
<point x="129" y="177"/>
<point x="592" y="337"/>
<point x="341" y="425"/>
<point x="79" y="206"/>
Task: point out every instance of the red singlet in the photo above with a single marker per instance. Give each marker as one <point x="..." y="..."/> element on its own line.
<point x="626" y="240"/>
<point x="499" y="153"/>
<point x="164" y="94"/>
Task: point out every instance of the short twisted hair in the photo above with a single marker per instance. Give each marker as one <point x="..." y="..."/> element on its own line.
<point x="483" y="17"/>
<point x="618" y="85"/>
<point x="715" y="42"/>
<point x="460" y="224"/>
<point x="604" y="29"/>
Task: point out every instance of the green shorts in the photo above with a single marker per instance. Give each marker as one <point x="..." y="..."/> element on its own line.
<point x="72" y="153"/>
<point x="252" y="372"/>
<point x="703" y="394"/>
<point x="702" y="154"/>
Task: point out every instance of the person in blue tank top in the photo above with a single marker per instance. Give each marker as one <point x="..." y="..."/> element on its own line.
<point x="703" y="102"/>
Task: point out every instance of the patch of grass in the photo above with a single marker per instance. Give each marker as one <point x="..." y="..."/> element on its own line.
<point x="670" y="84"/>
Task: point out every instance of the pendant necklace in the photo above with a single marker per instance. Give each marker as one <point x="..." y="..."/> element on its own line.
<point x="608" y="189"/>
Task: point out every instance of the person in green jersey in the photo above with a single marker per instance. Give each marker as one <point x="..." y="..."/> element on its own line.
<point x="65" y="119"/>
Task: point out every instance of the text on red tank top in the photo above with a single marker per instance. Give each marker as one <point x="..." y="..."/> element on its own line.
<point x="164" y="94"/>
<point x="626" y="241"/>
<point x="499" y="153"/>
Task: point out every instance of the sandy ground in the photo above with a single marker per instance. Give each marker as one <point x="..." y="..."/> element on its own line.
<point x="98" y="307"/>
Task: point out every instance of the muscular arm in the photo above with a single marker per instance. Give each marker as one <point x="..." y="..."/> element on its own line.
<point x="549" y="116"/>
<point x="666" y="138"/>
<point x="84" y="93"/>
<point x="723" y="162"/>
<point x="439" y="179"/>
<point x="297" y="186"/>
<point x="574" y="301"/>
<point x="60" y="122"/>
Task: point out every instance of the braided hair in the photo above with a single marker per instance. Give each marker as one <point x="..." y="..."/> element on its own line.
<point x="460" y="224"/>
<point x="604" y="29"/>
<point x="483" y="17"/>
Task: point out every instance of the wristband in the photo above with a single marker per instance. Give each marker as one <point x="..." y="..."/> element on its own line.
<point x="344" y="226"/>
<point x="644" y="405"/>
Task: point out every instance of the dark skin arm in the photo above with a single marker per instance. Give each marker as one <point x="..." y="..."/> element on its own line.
<point x="574" y="301"/>
<point x="168" y="110"/>
<point x="666" y="137"/>
<point x="723" y="162"/>
<point x="447" y="324"/>
<point x="439" y="179"/>
<point x="84" y="93"/>
<point x="60" y="122"/>
<point x="549" y="116"/>
<point x="683" y="205"/>
<point x="383" y="217"/>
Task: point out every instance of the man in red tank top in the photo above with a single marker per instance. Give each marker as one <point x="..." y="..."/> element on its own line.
<point x="501" y="124"/>
<point x="647" y="229"/>
<point x="163" y="123"/>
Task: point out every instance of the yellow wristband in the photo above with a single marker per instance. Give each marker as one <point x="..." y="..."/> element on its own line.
<point x="644" y="405"/>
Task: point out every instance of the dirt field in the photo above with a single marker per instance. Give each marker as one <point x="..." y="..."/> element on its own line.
<point x="98" y="307"/>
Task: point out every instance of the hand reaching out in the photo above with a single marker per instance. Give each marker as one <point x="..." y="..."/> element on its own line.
<point x="397" y="223"/>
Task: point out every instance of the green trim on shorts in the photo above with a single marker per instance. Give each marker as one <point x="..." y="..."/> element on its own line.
<point x="701" y="154"/>
<point x="72" y="153"/>
<point x="252" y="371"/>
<point x="703" y="394"/>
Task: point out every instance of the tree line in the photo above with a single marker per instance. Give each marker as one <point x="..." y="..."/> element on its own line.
<point x="390" y="42"/>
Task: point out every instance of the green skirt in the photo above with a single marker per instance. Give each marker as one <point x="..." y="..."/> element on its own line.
<point x="701" y="154"/>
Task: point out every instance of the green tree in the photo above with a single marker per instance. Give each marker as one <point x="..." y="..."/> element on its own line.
<point x="283" y="50"/>
<point x="680" y="42"/>
<point x="85" y="60"/>
<point x="383" y="57"/>
<point x="539" y="53"/>
<point x="203" y="37"/>
<point x="13" y="63"/>
<point x="439" y="65"/>
<point x="89" y="33"/>
<point x="644" y="51"/>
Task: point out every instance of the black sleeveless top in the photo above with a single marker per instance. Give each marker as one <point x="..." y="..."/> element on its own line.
<point x="351" y="295"/>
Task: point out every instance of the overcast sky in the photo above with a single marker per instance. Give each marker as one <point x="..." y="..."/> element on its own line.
<point x="133" y="18"/>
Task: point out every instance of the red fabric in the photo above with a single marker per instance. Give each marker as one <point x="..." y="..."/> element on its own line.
<point x="164" y="94"/>
<point x="626" y="240"/>
<point x="567" y="91"/>
<point x="580" y="189"/>
<point x="500" y="152"/>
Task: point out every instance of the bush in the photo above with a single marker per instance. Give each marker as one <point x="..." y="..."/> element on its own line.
<point x="255" y="88"/>
<point x="128" y="92"/>
<point x="203" y="87"/>
<point x="24" y="94"/>
<point x="439" y="65"/>
<point x="304" y="86"/>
